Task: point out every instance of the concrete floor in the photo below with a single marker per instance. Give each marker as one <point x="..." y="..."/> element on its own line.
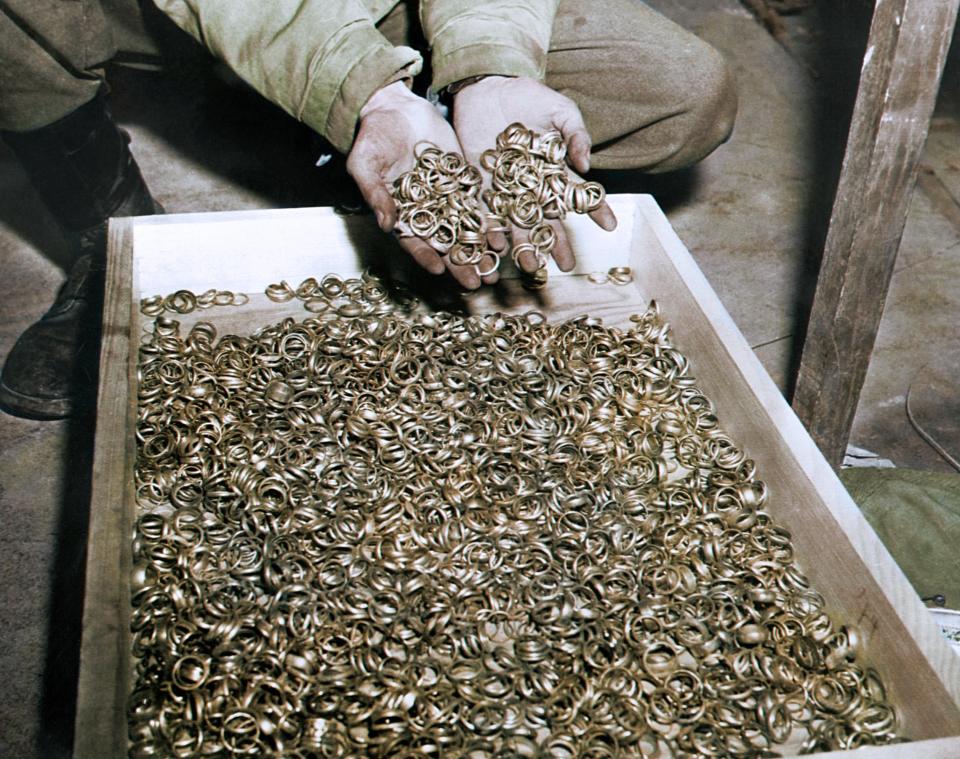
<point x="752" y="214"/>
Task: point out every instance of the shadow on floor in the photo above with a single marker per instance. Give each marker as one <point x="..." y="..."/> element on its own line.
<point x="65" y="621"/>
<point x="62" y="666"/>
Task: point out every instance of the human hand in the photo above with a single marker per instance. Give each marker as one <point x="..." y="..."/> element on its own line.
<point x="393" y="121"/>
<point x="483" y="109"/>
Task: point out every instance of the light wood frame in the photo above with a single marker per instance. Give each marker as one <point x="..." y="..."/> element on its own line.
<point x="245" y="251"/>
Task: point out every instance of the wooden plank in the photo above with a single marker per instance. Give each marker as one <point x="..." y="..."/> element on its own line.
<point x="836" y="547"/>
<point x="101" y="718"/>
<point x="906" y="50"/>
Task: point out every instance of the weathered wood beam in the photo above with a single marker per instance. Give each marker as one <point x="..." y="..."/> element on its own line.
<point x="902" y="66"/>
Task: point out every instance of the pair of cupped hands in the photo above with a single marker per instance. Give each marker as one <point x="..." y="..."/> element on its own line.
<point x="394" y="120"/>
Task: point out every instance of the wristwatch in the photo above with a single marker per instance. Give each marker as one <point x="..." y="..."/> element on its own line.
<point x="454" y="87"/>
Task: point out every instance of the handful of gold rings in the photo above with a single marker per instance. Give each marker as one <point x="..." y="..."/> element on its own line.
<point x="439" y="200"/>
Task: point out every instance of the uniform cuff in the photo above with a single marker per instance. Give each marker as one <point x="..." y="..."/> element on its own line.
<point x="485" y="59"/>
<point x="336" y="118"/>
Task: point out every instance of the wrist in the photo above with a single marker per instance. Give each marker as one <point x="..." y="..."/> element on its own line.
<point x="454" y="87"/>
<point x="478" y="82"/>
<point x="388" y="96"/>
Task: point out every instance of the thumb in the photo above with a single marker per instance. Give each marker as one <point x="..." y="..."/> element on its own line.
<point x="371" y="185"/>
<point x="576" y="137"/>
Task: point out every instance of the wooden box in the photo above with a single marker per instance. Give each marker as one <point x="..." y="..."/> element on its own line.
<point x="245" y="251"/>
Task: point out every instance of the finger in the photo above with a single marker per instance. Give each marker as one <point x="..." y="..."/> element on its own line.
<point x="496" y="230"/>
<point x="604" y="217"/>
<point x="491" y="279"/>
<point x="578" y="148"/>
<point x="466" y="276"/>
<point x="497" y="240"/>
<point x="562" y="252"/>
<point x="577" y="138"/>
<point x="485" y="265"/>
<point x="379" y="199"/>
<point x="527" y="260"/>
<point x="423" y="254"/>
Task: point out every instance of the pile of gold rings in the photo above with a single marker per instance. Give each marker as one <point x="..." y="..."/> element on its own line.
<point x="531" y="185"/>
<point x="386" y="532"/>
<point x="439" y="201"/>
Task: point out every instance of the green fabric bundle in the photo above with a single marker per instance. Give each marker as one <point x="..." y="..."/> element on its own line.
<point x="917" y="516"/>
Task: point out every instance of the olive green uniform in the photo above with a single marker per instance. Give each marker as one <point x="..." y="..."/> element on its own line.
<point x="653" y="95"/>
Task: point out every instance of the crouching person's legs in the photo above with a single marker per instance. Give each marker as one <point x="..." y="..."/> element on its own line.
<point x="654" y="96"/>
<point x="55" y="119"/>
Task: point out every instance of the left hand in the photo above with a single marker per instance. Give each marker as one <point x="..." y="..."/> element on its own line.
<point x="483" y="109"/>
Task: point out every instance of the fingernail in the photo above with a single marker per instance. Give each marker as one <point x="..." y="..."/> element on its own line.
<point x="381" y="219"/>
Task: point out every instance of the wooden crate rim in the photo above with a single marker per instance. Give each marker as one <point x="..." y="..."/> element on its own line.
<point x="99" y="708"/>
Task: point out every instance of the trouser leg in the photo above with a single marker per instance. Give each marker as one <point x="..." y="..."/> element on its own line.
<point x="51" y="52"/>
<point x="54" y="116"/>
<point x="82" y="168"/>
<point x="54" y="113"/>
<point x="396" y="25"/>
<point x="653" y="95"/>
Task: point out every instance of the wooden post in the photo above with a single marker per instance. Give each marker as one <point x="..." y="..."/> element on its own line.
<point x="899" y="81"/>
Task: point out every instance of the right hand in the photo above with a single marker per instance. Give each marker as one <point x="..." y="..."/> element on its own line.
<point x="392" y="122"/>
<point x="483" y="109"/>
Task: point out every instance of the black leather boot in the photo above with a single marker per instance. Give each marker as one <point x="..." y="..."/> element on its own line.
<point x="83" y="170"/>
<point x="52" y="368"/>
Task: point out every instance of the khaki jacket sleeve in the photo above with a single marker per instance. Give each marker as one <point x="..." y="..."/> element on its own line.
<point x="474" y="37"/>
<point x="319" y="60"/>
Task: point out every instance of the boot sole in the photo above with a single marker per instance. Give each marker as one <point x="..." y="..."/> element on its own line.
<point x="29" y="407"/>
